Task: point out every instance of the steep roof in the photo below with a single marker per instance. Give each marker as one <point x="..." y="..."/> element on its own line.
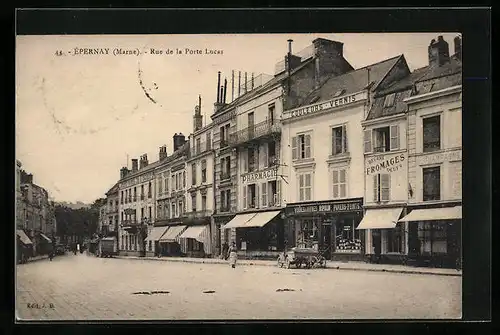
<point x="351" y="82"/>
<point x="423" y="80"/>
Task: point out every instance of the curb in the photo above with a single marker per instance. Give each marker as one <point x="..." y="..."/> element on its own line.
<point x="328" y="268"/>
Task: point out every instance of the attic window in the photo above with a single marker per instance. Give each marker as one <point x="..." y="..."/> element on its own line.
<point x="339" y="93"/>
<point x="314" y="99"/>
<point x="389" y="100"/>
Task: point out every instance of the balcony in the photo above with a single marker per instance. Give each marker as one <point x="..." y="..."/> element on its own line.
<point x="225" y="209"/>
<point x="224" y="143"/>
<point x="259" y="131"/>
<point x="225" y="176"/>
<point x="200" y="148"/>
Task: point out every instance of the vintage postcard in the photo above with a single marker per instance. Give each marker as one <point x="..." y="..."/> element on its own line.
<point x="239" y="176"/>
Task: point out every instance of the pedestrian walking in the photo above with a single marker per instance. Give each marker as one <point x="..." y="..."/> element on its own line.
<point x="233" y="256"/>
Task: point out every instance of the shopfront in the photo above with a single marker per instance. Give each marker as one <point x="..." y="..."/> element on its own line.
<point x="327" y="226"/>
<point x="169" y="243"/>
<point x="258" y="234"/>
<point x="221" y="237"/>
<point x="434" y="237"/>
<point x="195" y="241"/>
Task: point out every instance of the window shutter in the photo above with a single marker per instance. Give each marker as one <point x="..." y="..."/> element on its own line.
<point x="278" y="193"/>
<point x="394" y="130"/>
<point x="294" y="148"/>
<point x="307" y="139"/>
<point x="244" y="197"/>
<point x="301" y="187"/>
<point x="264" y="194"/>
<point x="265" y="156"/>
<point x="375" y="188"/>
<point x="344" y="138"/>
<point x="335" y="183"/>
<point x="385" y="182"/>
<point x="245" y="162"/>
<point x="308" y="182"/>
<point x="368" y="140"/>
<point x="256" y="196"/>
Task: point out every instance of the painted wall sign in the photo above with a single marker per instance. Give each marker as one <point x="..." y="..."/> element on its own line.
<point x="333" y="103"/>
<point x="385" y="163"/>
<point x="326" y="207"/>
<point x="440" y="157"/>
<point x="260" y="175"/>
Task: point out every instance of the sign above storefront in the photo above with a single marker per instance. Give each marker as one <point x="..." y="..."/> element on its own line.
<point x="389" y="163"/>
<point x="440" y="157"/>
<point x="264" y="175"/>
<point x="325" y="105"/>
<point x="326" y="207"/>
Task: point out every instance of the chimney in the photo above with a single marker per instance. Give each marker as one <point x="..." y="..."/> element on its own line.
<point x="218" y="87"/>
<point x="252" y="80"/>
<point x="197" y="118"/>
<point x="439" y="52"/>
<point x="26" y="178"/>
<point x="291" y="61"/>
<point x="124" y="172"/>
<point x="179" y="140"/>
<point x="163" y="152"/>
<point x="329" y="59"/>
<point x="246" y="80"/>
<point x="221" y="94"/>
<point x="458" y="47"/>
<point x="134" y="165"/>
<point x="144" y="161"/>
<point x="225" y="90"/>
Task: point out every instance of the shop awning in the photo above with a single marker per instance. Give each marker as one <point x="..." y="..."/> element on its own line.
<point x="23" y="237"/>
<point x="172" y="234"/>
<point x="430" y="214"/>
<point x="261" y="219"/>
<point x="239" y="221"/>
<point x="156" y="233"/>
<point x="199" y="233"/>
<point x="380" y="218"/>
<point x="45" y="238"/>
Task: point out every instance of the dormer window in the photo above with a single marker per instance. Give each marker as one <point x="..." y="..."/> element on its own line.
<point x="389" y="100"/>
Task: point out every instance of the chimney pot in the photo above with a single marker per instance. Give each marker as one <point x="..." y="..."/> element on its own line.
<point x="438" y="52"/>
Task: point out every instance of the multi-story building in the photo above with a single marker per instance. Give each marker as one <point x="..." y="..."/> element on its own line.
<point x="325" y="160"/>
<point x="196" y="240"/>
<point x="435" y="160"/>
<point x="36" y="217"/>
<point x="170" y="174"/>
<point x="110" y="227"/>
<point x="389" y="137"/>
<point x="248" y="146"/>
<point x="137" y="205"/>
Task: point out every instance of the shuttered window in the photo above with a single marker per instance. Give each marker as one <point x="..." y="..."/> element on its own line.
<point x="394" y="137"/>
<point x="368" y="140"/>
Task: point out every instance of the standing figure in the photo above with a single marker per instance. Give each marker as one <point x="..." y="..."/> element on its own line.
<point x="225" y="248"/>
<point x="233" y="256"/>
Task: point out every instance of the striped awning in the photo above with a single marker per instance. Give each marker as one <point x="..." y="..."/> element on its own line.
<point x="431" y="214"/>
<point x="23" y="237"/>
<point x="172" y="234"/>
<point x="200" y="234"/>
<point x="156" y="233"/>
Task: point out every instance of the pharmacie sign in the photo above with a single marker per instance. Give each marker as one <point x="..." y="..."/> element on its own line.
<point x="260" y="175"/>
<point x="326" y="207"/>
<point x="385" y="163"/>
<point x="329" y="104"/>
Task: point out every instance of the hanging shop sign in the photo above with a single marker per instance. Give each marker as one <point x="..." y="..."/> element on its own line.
<point x="260" y="175"/>
<point x="326" y="207"/>
<point x="386" y="163"/>
<point x="324" y="105"/>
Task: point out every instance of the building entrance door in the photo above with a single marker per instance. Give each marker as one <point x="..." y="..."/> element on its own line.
<point x="327" y="243"/>
<point x="377" y="243"/>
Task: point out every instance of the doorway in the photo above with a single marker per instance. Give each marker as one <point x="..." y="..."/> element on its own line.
<point x="327" y="245"/>
<point x="377" y="244"/>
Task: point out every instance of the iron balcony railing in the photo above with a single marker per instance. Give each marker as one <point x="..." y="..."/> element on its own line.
<point x="256" y="131"/>
<point x="198" y="214"/>
<point x="225" y="175"/>
<point x="224" y="143"/>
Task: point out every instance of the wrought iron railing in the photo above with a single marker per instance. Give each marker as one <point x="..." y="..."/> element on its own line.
<point x="258" y="130"/>
<point x="224" y="143"/>
<point x="198" y="214"/>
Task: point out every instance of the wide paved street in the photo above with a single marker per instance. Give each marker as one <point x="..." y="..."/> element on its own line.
<point x="83" y="287"/>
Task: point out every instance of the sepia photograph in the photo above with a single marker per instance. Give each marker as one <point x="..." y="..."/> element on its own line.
<point x="238" y="176"/>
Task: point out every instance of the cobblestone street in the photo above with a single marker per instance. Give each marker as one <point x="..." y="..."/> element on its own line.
<point x="84" y="287"/>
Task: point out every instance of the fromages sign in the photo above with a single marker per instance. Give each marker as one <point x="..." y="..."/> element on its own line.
<point x="385" y="163"/>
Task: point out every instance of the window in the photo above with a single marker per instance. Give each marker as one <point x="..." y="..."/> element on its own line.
<point x="160" y="186"/>
<point x="432" y="183"/>
<point x="135" y="194"/>
<point x="339" y="183"/>
<point x="264" y="194"/>
<point x="121" y="200"/>
<point x="271" y="111"/>
<point x="271" y="153"/>
<point x="150" y="213"/>
<point x="142" y="213"/>
<point x="174" y="210"/>
<point x="273" y="190"/>
<point x="193" y="174"/>
<point x="159" y="211"/>
<point x="150" y="190"/>
<point x="301" y="147"/>
<point x="394" y="239"/>
<point x="252" y="196"/>
<point x="203" y="202"/>
<point x="339" y="140"/>
<point x="122" y="217"/>
<point x="381" y="187"/>
<point x="305" y="187"/>
<point x="225" y="167"/>
<point x="183" y="178"/>
<point x="389" y="100"/>
<point x="245" y="194"/>
<point x="251" y="160"/>
<point x="433" y="237"/>
<point x="166" y="184"/>
<point x="198" y="145"/>
<point x="173" y="182"/>
<point x="209" y="141"/>
<point x="431" y="133"/>
<point x="193" y="202"/>
<point x="181" y="207"/>
<point x="203" y="171"/>
<point x="381" y="139"/>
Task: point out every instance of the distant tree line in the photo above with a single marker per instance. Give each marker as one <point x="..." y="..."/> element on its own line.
<point x="81" y="222"/>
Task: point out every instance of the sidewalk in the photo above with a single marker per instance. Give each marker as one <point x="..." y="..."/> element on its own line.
<point x="353" y="266"/>
<point x="36" y="258"/>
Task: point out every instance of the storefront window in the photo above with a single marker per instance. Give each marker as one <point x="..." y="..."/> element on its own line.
<point x="394" y="239"/>
<point x="432" y="237"/>
<point x="348" y="237"/>
<point x="307" y="236"/>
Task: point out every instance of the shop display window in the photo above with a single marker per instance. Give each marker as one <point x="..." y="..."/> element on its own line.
<point x="432" y="236"/>
<point x="347" y="239"/>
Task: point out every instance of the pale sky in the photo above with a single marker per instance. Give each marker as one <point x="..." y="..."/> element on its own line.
<point x="79" y="116"/>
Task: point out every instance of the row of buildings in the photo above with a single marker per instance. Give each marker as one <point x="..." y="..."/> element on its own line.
<point x="358" y="163"/>
<point x="35" y="216"/>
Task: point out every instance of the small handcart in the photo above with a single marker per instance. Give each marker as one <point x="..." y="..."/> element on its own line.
<point x="308" y="257"/>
